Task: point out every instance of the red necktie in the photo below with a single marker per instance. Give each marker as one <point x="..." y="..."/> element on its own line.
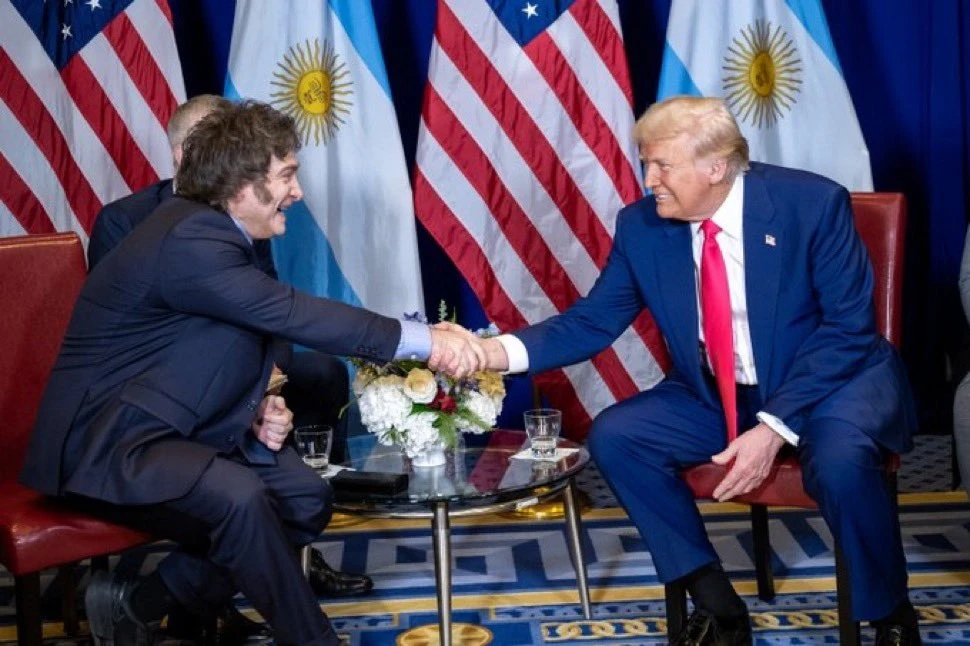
<point x="716" y="309"/>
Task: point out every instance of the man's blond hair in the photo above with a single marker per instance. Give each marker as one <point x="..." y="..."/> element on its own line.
<point x="190" y="113"/>
<point x="708" y="123"/>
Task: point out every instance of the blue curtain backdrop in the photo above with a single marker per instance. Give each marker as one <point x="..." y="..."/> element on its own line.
<point x="907" y="65"/>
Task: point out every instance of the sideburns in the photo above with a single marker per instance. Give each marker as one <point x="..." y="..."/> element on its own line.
<point x="262" y="192"/>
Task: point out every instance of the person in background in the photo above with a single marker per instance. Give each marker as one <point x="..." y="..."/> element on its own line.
<point x="155" y="414"/>
<point x="763" y="292"/>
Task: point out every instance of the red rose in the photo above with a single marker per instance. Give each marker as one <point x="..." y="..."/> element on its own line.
<point x="443" y="402"/>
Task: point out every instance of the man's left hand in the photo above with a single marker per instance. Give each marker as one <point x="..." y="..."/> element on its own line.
<point x="273" y="422"/>
<point x="753" y="453"/>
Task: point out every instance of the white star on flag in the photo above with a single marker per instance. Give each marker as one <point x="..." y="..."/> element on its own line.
<point x="66" y="31"/>
<point x="531" y="10"/>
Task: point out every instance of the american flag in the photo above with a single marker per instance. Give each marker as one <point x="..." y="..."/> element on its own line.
<point x="525" y="156"/>
<point x="87" y="87"/>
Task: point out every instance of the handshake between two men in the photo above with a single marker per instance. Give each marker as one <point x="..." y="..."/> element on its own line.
<point x="459" y="352"/>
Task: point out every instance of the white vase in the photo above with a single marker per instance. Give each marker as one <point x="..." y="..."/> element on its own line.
<point x="433" y="457"/>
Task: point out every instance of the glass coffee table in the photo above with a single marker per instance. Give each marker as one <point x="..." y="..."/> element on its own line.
<point x="473" y="481"/>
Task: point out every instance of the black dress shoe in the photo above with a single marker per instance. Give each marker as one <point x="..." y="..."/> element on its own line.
<point x="235" y="629"/>
<point x="107" y="602"/>
<point x="229" y="628"/>
<point x="898" y="635"/>
<point x="704" y="629"/>
<point x="328" y="582"/>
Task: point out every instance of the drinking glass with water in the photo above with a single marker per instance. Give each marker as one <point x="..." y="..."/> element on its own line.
<point x="313" y="444"/>
<point x="543" y="426"/>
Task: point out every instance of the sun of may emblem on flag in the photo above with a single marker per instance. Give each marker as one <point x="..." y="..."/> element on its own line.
<point x="315" y="88"/>
<point x="762" y="74"/>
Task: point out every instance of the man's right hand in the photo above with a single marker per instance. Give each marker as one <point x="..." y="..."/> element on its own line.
<point x="494" y="351"/>
<point x="495" y="355"/>
<point x="456" y="351"/>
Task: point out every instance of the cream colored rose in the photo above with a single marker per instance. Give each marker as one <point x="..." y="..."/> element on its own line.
<point x="420" y="385"/>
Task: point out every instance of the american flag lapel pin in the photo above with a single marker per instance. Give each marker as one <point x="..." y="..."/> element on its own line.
<point x="769" y="240"/>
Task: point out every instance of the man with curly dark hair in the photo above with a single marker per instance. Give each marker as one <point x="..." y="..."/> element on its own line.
<point x="156" y="413"/>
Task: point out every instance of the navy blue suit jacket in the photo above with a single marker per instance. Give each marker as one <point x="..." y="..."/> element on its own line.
<point x="119" y="218"/>
<point x="809" y="296"/>
<point x="167" y="355"/>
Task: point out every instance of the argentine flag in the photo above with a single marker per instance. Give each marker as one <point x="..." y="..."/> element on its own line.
<point x="352" y="237"/>
<point x="774" y="64"/>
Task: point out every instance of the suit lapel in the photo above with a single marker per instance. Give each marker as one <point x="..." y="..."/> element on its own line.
<point x="764" y="242"/>
<point x="678" y="292"/>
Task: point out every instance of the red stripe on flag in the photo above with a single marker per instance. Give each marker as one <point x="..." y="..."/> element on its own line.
<point x="594" y="130"/>
<point x="601" y="31"/>
<point x="523" y="132"/>
<point x="524" y="238"/>
<point x="100" y="112"/>
<point x="522" y="235"/>
<point x="464" y="251"/>
<point x="32" y="114"/>
<point x="467" y="255"/>
<point x="166" y="11"/>
<point x="142" y="67"/>
<point x="21" y="201"/>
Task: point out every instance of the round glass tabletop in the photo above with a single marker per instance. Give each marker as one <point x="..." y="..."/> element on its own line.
<point x="472" y="478"/>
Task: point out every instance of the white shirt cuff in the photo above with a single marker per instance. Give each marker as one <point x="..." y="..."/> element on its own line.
<point x="778" y="427"/>
<point x="515" y="351"/>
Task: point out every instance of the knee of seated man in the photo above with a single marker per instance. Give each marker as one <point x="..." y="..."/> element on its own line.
<point x="313" y="506"/>
<point x="245" y="493"/>
<point x="320" y="505"/>
<point x="607" y="435"/>
<point x="836" y="456"/>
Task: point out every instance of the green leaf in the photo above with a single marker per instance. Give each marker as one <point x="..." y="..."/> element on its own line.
<point x="472" y="418"/>
<point x="447" y="430"/>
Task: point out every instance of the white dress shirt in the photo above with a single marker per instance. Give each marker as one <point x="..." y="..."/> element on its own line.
<point x="729" y="218"/>
<point x="731" y="241"/>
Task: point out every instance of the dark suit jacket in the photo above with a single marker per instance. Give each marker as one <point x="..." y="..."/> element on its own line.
<point x="119" y="218"/>
<point x="167" y="356"/>
<point x="809" y="299"/>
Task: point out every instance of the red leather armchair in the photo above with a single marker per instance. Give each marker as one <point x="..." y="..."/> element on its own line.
<point x="40" y="277"/>
<point x="880" y="219"/>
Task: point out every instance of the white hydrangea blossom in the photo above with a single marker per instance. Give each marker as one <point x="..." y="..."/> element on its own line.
<point x="420" y="432"/>
<point x="483" y="407"/>
<point x="383" y="404"/>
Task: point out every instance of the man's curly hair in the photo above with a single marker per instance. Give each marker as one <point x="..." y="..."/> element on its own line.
<point x="233" y="147"/>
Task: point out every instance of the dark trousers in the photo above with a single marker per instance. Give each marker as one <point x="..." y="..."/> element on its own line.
<point x="239" y="528"/>
<point x="641" y="445"/>
<point x="316" y="390"/>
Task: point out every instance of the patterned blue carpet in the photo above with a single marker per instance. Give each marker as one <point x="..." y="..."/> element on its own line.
<point x="513" y="578"/>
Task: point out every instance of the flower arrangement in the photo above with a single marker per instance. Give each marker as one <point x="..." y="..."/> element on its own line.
<point x="405" y="403"/>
